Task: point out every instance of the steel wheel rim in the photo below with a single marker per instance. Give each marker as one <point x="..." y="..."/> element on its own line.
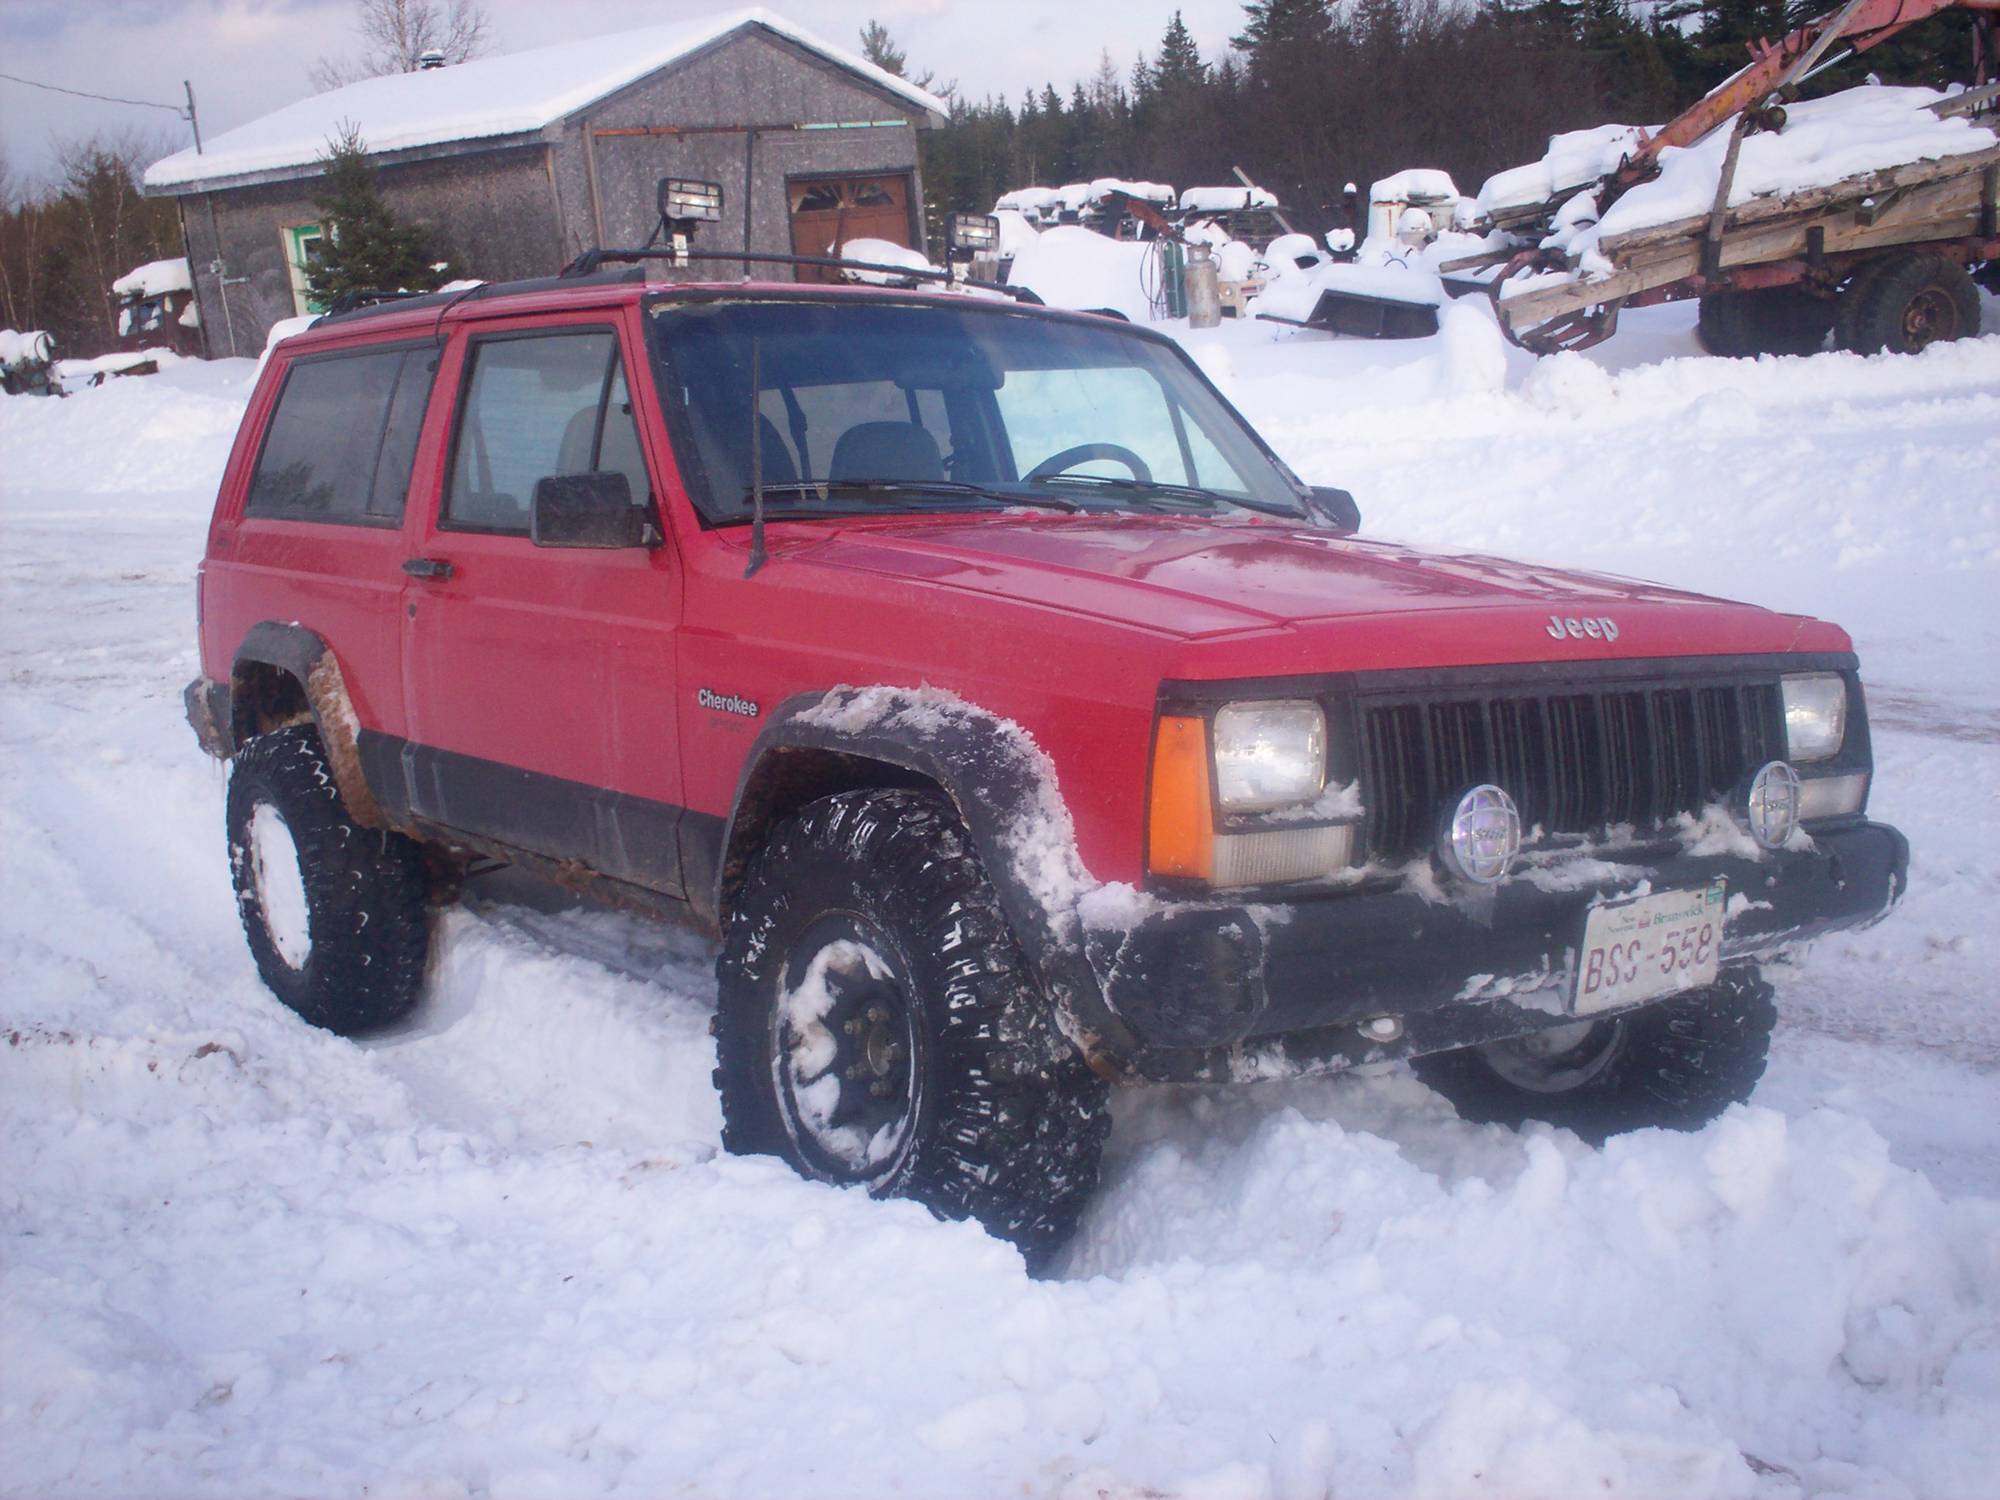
<point x="278" y="879"/>
<point x="1931" y="317"/>
<point x="1558" y="1058"/>
<point x="847" y="1052"/>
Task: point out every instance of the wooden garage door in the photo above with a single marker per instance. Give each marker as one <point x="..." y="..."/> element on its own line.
<point x="830" y="211"/>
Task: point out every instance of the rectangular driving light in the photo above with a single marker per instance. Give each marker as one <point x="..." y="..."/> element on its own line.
<point x="967" y="235"/>
<point x="685" y="201"/>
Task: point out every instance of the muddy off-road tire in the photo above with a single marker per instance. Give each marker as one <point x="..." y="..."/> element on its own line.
<point x="1678" y="1063"/>
<point x="335" y="913"/>
<point x="1770" y="320"/>
<point x="1906" y="303"/>
<point x="877" y="1025"/>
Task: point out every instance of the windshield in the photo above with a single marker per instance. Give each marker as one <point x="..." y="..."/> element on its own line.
<point x="867" y="405"/>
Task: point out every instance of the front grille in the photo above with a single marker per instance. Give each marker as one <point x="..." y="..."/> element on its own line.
<point x="1574" y="762"/>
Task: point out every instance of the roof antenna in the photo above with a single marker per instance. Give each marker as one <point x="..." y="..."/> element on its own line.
<point x="756" y="463"/>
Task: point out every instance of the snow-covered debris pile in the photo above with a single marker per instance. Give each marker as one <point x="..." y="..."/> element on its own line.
<point x="1222" y="200"/>
<point x="155" y="279"/>
<point x="1070" y="266"/>
<point x="1102" y="188"/>
<point x="73" y="371"/>
<point x="1824" y="140"/>
<point x="19" y="349"/>
<point x="1035" y="202"/>
<point x="873" y="252"/>
<point x="1575" y="159"/>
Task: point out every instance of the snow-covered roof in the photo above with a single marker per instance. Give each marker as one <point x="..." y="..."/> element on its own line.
<point x="154" y="278"/>
<point x="494" y="96"/>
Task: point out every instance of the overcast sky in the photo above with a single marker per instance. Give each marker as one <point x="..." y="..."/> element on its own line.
<point x="247" y="57"/>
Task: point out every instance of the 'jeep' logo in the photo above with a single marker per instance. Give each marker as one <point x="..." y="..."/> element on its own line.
<point x="1598" y="628"/>
<point x="727" y="703"/>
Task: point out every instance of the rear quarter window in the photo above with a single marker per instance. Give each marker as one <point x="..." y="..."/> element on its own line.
<point x="343" y="437"/>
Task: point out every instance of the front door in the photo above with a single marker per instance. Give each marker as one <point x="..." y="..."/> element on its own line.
<point x="539" y="680"/>
<point x="827" y="212"/>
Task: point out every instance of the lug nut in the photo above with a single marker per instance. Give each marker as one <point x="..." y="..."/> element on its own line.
<point x="1382" y="1028"/>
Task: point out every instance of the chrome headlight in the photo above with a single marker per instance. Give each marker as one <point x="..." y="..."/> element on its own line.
<point x="1269" y="755"/>
<point x="1815" y="715"/>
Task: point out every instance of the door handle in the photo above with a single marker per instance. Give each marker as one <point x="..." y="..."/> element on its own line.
<point x="427" y="567"/>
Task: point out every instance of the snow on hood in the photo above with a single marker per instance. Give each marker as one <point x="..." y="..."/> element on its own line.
<point x="1198" y="578"/>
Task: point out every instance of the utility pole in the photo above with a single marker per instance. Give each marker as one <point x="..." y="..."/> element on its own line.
<point x="193" y="123"/>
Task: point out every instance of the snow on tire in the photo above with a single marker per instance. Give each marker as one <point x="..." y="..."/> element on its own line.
<point x="335" y="914"/>
<point x="870" y="1025"/>
<point x="1677" y="1063"/>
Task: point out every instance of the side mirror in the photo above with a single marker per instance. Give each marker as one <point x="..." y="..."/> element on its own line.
<point x="1334" y="509"/>
<point x="586" y="510"/>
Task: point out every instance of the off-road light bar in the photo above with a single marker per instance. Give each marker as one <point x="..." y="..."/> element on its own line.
<point x="685" y="201"/>
<point x="967" y="235"/>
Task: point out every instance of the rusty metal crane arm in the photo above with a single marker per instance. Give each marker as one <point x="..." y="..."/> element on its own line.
<point x="1860" y="23"/>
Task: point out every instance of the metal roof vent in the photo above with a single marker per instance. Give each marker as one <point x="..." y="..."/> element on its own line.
<point x="431" y="58"/>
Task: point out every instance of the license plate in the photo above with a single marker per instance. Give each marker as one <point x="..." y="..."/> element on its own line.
<point x="1649" y="946"/>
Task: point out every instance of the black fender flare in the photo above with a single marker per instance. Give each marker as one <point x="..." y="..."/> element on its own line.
<point x="1005" y="791"/>
<point x="304" y="655"/>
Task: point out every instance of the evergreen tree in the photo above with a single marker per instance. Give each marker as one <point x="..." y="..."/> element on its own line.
<point x="365" y="248"/>
<point x="880" y="49"/>
<point x="1180" y="60"/>
<point x="1276" y="26"/>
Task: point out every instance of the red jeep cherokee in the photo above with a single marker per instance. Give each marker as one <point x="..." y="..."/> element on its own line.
<point x="1014" y="715"/>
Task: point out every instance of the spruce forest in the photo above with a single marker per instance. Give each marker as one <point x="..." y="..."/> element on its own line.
<point x="1314" y="94"/>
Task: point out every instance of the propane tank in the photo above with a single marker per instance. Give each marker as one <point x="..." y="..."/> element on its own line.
<point x="1204" y="288"/>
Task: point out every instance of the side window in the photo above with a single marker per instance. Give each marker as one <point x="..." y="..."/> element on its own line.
<point x="340" y="444"/>
<point x="537" y="406"/>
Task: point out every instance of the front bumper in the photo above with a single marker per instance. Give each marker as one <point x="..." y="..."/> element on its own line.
<point x="1199" y="983"/>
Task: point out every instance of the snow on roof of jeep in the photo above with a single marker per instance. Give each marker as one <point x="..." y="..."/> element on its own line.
<point x="493" y="96"/>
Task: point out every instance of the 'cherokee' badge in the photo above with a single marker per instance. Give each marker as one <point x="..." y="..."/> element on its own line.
<point x="1595" y="627"/>
<point x="727" y="703"/>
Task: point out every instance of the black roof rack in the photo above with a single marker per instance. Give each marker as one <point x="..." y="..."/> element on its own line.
<point x="366" y="304"/>
<point x="588" y="263"/>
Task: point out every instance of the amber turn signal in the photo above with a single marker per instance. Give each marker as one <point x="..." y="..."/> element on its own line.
<point x="1180" y="825"/>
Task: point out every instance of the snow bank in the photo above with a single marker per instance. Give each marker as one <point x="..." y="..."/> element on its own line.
<point x="1070" y="266"/>
<point x="493" y="96"/>
<point x="498" y="1251"/>
<point x="155" y="278"/>
<point x="1016" y="232"/>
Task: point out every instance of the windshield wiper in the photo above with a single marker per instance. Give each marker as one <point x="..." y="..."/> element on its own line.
<point x="1154" y="489"/>
<point x="827" y="488"/>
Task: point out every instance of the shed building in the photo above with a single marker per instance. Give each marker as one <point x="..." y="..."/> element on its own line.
<point x="523" y="161"/>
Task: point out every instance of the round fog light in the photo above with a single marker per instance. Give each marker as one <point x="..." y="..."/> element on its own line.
<point x="1483" y="836"/>
<point x="1773" y="805"/>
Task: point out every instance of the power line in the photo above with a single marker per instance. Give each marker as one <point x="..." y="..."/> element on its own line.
<point x="56" y="88"/>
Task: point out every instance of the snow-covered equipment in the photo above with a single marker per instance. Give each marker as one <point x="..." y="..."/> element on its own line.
<point x="1866" y="214"/>
<point x="27" y="364"/>
<point x="156" y="308"/>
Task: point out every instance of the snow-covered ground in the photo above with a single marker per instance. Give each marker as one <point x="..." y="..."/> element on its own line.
<point x="497" y="1253"/>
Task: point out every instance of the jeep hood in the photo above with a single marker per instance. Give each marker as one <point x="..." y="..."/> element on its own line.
<point x="1383" y="605"/>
